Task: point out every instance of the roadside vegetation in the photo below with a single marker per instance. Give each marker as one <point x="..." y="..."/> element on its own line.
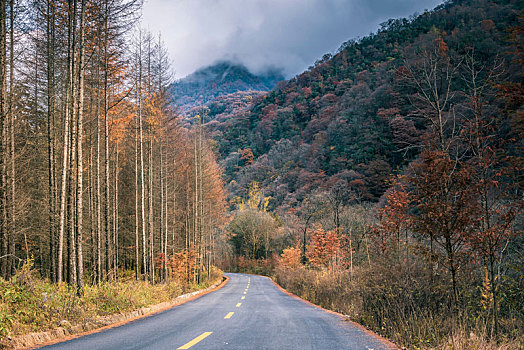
<point x="399" y="294"/>
<point x="29" y="303"/>
<point x="401" y="304"/>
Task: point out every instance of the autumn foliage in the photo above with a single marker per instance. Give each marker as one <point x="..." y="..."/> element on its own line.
<point x="323" y="248"/>
<point x="291" y="257"/>
<point x="391" y="230"/>
<point x="437" y="255"/>
<point x="181" y="266"/>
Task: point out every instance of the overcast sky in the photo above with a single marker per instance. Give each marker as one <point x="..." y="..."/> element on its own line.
<point x="288" y="34"/>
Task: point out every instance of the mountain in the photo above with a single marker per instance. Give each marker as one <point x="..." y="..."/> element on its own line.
<point x="219" y="79"/>
<point x="346" y="122"/>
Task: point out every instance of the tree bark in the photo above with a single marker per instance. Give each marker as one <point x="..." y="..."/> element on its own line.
<point x="137" y="240"/>
<point x="3" y="112"/>
<point x="50" y="138"/>
<point x="66" y="147"/>
<point x="80" y="159"/>
<point x="107" y="232"/>
<point x="142" y="200"/>
<point x="11" y="117"/>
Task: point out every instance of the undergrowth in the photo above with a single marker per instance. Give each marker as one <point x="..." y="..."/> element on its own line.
<point x="407" y="310"/>
<point x="29" y="303"/>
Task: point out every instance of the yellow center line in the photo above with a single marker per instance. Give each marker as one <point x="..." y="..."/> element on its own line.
<point x="245" y="292"/>
<point x="238" y="305"/>
<point x="243" y="298"/>
<point x="228" y="316"/>
<point x="194" y="341"/>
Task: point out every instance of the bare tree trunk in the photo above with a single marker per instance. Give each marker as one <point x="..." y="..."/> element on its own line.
<point x="92" y="214"/>
<point x="195" y="204"/>
<point x="162" y="241"/>
<point x="50" y="138"/>
<point x="200" y="202"/>
<point x="174" y="210"/>
<point x="98" y="196"/>
<point x="106" y="144"/>
<point x="150" y="216"/>
<point x="72" y="272"/>
<point x="350" y="253"/>
<point x="66" y="149"/>
<point x="115" y="216"/>
<point x="139" y="83"/>
<point x="137" y="250"/>
<point x="3" y="110"/>
<point x="12" y="195"/>
<point x="71" y="196"/>
<point x="166" y="215"/>
<point x="80" y="158"/>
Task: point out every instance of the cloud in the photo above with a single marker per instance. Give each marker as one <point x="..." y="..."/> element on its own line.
<point x="288" y="34"/>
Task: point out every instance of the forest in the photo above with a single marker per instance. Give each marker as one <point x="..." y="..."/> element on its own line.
<point x="100" y="182"/>
<point x="383" y="183"/>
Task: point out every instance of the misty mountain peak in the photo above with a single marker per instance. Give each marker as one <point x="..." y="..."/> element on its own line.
<point x="218" y="79"/>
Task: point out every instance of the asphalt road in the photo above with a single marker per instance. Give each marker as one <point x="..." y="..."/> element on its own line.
<point x="250" y="312"/>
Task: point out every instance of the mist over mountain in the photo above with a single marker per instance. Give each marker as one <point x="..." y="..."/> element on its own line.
<point x="289" y="34"/>
<point x="349" y="118"/>
<point x="220" y="79"/>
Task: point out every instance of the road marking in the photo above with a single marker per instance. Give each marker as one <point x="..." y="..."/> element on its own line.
<point x="228" y="316"/>
<point x="245" y="292"/>
<point x="194" y="341"/>
<point x="238" y="305"/>
<point x="243" y="298"/>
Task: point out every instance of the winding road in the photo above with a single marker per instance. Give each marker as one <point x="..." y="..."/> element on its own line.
<point x="249" y="312"/>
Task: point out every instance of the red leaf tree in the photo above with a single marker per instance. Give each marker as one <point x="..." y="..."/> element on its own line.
<point x="323" y="248"/>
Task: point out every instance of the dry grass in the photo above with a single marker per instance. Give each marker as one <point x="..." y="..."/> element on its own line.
<point x="31" y="304"/>
<point x="407" y="307"/>
<point x="461" y="340"/>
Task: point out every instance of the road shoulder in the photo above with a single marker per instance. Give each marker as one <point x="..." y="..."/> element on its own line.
<point x="387" y="343"/>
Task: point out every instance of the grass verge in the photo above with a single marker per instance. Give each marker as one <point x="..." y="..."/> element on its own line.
<point x="30" y="304"/>
<point x="400" y="312"/>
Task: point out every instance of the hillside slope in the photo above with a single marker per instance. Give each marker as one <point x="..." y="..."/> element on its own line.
<point x="349" y="119"/>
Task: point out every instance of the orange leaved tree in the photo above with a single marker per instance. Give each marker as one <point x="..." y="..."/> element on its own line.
<point x="323" y="248"/>
<point x="291" y="257"/>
